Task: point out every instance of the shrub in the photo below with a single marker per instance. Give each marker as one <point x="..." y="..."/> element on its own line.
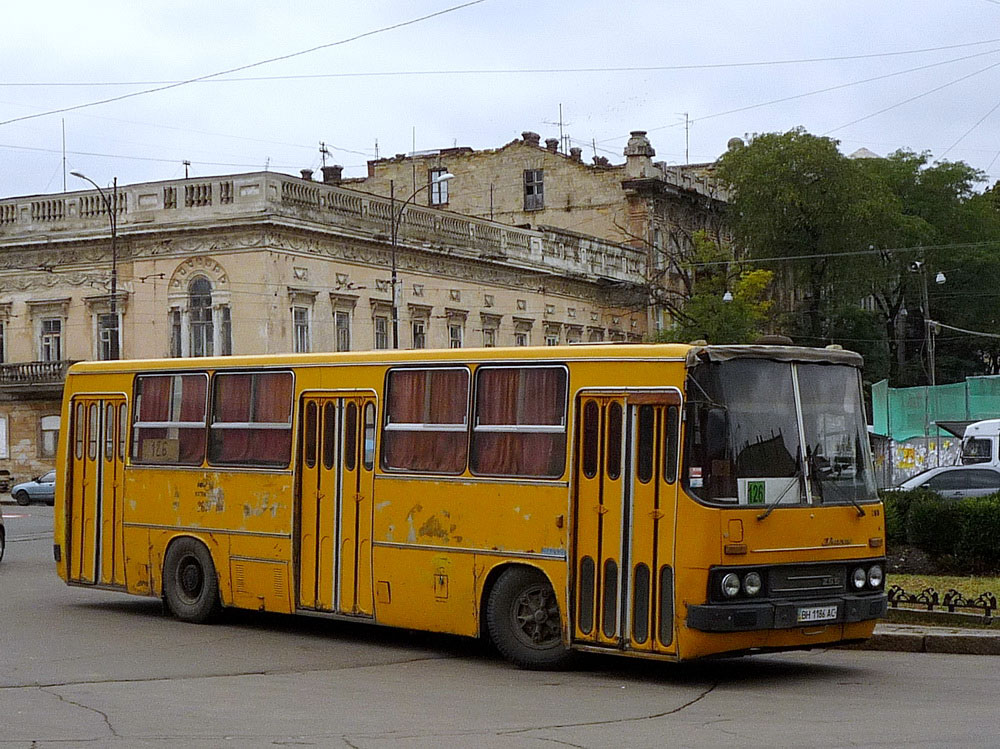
<point x="933" y="525"/>
<point x="978" y="545"/>
<point x="897" y="508"/>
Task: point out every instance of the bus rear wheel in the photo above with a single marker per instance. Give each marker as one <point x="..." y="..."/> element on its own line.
<point x="190" y="585"/>
<point x="524" y="622"/>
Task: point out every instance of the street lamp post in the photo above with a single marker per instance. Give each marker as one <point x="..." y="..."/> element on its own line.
<point x="930" y="329"/>
<point x="395" y="219"/>
<point x="111" y="205"/>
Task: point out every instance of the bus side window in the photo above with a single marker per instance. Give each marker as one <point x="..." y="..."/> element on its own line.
<point x="369" y="426"/>
<point x="109" y="432"/>
<point x="673" y="428"/>
<point x="92" y="435"/>
<point x="426" y="420"/>
<point x="591" y="437"/>
<point x="520" y="423"/>
<point x="646" y="435"/>
<point x="329" y="434"/>
<point x="614" y="448"/>
<point x="351" y="437"/>
<point x="309" y="434"/>
<point x="79" y="428"/>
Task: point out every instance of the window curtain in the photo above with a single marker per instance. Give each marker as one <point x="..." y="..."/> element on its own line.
<point x="520" y="397"/>
<point x="247" y="399"/>
<point x="427" y="397"/>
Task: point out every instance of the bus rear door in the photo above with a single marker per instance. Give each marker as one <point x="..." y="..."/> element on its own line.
<point x="336" y="473"/>
<point x="96" y="479"/>
<point x="624" y="510"/>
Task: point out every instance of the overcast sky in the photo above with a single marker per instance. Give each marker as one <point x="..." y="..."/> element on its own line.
<point x="477" y="76"/>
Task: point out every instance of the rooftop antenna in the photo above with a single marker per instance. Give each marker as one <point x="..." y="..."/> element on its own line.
<point x="187" y="166"/>
<point x="323" y="151"/>
<point x="562" y="138"/>
<point x="267" y="164"/>
<point x="376" y="149"/>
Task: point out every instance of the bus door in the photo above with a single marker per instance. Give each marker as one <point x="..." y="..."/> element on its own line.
<point x="96" y="504"/>
<point x="626" y="494"/>
<point x="335" y="510"/>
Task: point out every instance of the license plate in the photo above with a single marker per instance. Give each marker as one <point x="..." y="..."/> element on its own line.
<point x="817" y="614"/>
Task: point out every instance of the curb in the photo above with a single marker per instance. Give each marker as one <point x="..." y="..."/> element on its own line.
<point x="909" y="638"/>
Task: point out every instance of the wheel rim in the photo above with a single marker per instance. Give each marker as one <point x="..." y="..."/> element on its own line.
<point x="190" y="579"/>
<point x="535" y="615"/>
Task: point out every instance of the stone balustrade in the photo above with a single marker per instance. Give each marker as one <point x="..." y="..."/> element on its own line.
<point x="263" y="194"/>
<point x="33" y="373"/>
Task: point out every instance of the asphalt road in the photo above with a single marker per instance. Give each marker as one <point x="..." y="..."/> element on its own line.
<point x="91" y="668"/>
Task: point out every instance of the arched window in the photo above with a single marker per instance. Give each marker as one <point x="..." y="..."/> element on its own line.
<point x="200" y="315"/>
<point x="202" y="326"/>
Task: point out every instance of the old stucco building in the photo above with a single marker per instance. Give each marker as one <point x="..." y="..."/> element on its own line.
<point x="268" y="263"/>
<point x="649" y="205"/>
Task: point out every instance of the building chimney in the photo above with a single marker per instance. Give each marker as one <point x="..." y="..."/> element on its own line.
<point x="576" y="154"/>
<point x="552" y="144"/>
<point x="307" y="174"/>
<point x="332" y="174"/>
<point x="639" y="155"/>
<point x="530" y="138"/>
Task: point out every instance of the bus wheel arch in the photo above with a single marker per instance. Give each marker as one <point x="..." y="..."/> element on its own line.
<point x="190" y="581"/>
<point x="523" y="617"/>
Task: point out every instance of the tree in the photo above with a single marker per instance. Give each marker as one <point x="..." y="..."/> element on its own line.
<point x="844" y="237"/>
<point x="706" y="312"/>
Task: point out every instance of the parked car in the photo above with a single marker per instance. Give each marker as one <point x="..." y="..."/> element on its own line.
<point x="957" y="482"/>
<point x="39" y="489"/>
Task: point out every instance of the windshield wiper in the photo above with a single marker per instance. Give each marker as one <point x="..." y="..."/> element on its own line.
<point x="817" y="478"/>
<point x="770" y="508"/>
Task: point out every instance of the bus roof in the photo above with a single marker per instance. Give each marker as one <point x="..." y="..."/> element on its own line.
<point x="591" y="351"/>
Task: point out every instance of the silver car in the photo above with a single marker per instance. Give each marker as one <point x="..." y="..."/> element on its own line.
<point x="957" y="482"/>
<point x="39" y="489"/>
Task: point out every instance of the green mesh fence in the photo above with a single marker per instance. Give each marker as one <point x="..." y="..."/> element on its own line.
<point x="905" y="413"/>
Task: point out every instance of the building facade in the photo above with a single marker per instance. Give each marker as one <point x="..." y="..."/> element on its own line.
<point x="268" y="263"/>
<point x="649" y="205"/>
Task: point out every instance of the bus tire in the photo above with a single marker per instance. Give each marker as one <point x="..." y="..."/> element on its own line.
<point x="523" y="619"/>
<point x="190" y="585"/>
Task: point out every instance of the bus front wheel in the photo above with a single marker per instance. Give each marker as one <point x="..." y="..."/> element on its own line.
<point x="190" y="585"/>
<point x="523" y="619"/>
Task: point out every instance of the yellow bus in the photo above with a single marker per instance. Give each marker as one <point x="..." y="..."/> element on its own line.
<point x="659" y="501"/>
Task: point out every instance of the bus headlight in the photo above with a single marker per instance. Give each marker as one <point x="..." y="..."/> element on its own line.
<point x="731" y="585"/>
<point x="875" y="576"/>
<point x="859" y="577"/>
<point x="751" y="584"/>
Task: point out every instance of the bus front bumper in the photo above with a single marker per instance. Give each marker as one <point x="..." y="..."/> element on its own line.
<point x="744" y="617"/>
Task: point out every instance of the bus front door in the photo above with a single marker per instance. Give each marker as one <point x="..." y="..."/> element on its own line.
<point x="624" y="509"/>
<point x="96" y="506"/>
<point x="335" y="509"/>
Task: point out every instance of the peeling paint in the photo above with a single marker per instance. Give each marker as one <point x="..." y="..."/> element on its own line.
<point x="382" y="505"/>
<point x="389" y="532"/>
<point x="265" y="506"/>
<point x="411" y="536"/>
<point x="215" y="499"/>
<point x="432" y="527"/>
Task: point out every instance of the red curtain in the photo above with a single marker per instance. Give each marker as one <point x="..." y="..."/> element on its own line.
<point x="157" y="395"/>
<point x="427" y="397"/>
<point x="252" y="398"/>
<point x="516" y="396"/>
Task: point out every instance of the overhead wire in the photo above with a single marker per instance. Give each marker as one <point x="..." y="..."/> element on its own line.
<point x="248" y="66"/>
<point x="492" y="71"/>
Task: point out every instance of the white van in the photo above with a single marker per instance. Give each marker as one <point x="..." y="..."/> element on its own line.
<point x="981" y="443"/>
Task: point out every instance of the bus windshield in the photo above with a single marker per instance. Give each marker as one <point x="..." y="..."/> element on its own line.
<point x="763" y="432"/>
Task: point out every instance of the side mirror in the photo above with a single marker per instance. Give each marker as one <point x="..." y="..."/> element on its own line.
<point x="717" y="431"/>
